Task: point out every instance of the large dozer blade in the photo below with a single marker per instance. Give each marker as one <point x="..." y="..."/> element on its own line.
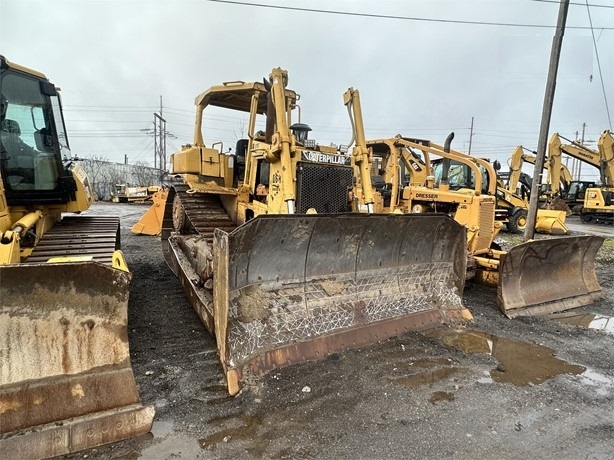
<point x="151" y="222"/>
<point x="66" y="383"/>
<point x="550" y="275"/>
<point x="294" y="288"/>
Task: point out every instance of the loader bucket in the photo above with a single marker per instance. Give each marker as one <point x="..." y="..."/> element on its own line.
<point x="66" y="383"/>
<point x="151" y="222"/>
<point x="550" y="275"/>
<point x="295" y="288"/>
<point x="551" y="222"/>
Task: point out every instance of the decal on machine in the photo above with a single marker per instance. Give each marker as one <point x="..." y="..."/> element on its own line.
<point x="319" y="157"/>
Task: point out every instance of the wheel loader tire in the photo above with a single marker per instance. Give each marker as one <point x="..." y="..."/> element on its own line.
<point x="517" y="222"/>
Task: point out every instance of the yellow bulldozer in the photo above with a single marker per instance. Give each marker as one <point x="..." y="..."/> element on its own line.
<point x="536" y="277"/>
<point x="66" y="382"/>
<point x="273" y="254"/>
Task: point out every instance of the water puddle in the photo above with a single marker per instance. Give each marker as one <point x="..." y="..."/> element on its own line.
<point x="172" y="446"/>
<point x="216" y="389"/>
<point x="439" y="396"/>
<point x="219" y="401"/>
<point x="520" y="363"/>
<point x="423" y="363"/>
<point x="245" y="428"/>
<point x="586" y="320"/>
<point x="159" y="429"/>
<point x="428" y="378"/>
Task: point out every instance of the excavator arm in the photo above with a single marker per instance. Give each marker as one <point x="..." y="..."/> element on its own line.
<point x="519" y="157"/>
<point x="575" y="150"/>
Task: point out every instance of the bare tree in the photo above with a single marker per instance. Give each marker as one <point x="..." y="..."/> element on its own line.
<point x="145" y="175"/>
<point x="94" y="166"/>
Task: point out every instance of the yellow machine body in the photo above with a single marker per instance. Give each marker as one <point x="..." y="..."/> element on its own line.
<point x="273" y="253"/>
<point x="66" y="383"/>
<point x="465" y="188"/>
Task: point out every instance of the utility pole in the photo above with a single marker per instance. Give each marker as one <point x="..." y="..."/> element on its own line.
<point x="470" y="137"/>
<point x="159" y="140"/>
<point x="555" y="54"/>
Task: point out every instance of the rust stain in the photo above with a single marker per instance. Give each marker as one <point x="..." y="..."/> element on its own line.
<point x="77" y="391"/>
<point x="6" y="406"/>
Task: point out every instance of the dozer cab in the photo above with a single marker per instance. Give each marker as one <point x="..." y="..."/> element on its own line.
<point x="273" y="255"/>
<point x="66" y="383"/>
<point x="533" y="278"/>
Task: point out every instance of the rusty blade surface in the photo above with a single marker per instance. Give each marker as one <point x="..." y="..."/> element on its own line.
<point x="288" y="285"/>
<point x="64" y="348"/>
<point x="549" y="275"/>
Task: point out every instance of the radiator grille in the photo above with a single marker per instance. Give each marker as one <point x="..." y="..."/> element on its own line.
<point x="487" y="216"/>
<point x="323" y="187"/>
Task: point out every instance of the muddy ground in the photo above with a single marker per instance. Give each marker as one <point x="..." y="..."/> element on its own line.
<point x="499" y="388"/>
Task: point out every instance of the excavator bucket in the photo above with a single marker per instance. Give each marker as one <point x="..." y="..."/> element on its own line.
<point x="292" y="288"/>
<point x="551" y="222"/>
<point x="151" y="222"/>
<point x="550" y="275"/>
<point x="66" y="383"/>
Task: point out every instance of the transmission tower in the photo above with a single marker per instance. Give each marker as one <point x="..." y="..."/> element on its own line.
<point x="159" y="140"/>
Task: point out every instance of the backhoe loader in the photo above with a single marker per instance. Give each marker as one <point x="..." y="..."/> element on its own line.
<point x="66" y="382"/>
<point x="533" y="278"/>
<point x="585" y="198"/>
<point x="273" y="254"/>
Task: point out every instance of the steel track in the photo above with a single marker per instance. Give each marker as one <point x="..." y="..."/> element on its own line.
<point x="96" y="237"/>
<point x="204" y="213"/>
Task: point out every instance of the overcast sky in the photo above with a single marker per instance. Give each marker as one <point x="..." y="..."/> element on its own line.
<point x="419" y="72"/>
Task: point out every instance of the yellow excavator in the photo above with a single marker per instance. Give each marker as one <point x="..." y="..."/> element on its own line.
<point x="520" y="182"/>
<point x="66" y="383"/>
<point x="273" y="254"/>
<point x="593" y="203"/>
<point x="550" y="215"/>
<point x="533" y="278"/>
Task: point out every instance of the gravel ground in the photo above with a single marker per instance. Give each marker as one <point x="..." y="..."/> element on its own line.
<point x="499" y="388"/>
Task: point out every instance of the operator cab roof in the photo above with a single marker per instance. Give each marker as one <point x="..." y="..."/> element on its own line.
<point x="237" y="95"/>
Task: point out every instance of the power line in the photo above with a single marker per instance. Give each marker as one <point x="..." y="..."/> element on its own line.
<point x="389" y="16"/>
<point x="572" y="3"/>
<point x="605" y="98"/>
